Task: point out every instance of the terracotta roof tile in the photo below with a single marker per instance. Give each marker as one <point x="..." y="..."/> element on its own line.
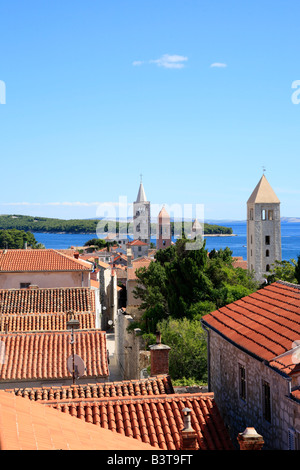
<point x="43" y="355"/>
<point x="265" y="323"/>
<point x="156" y="420"/>
<point x="142" y="263"/>
<point x="157" y="385"/>
<point x="39" y="260"/>
<point x="26" y="425"/>
<point x="45" y="309"/>
<point x="47" y="300"/>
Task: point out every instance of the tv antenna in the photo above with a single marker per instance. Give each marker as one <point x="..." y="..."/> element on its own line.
<point x="75" y="364"/>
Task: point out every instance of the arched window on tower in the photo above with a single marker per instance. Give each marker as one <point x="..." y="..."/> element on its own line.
<point x="268" y="267"/>
<point x="263" y="214"/>
<point x="270" y="215"/>
<point x="267" y="253"/>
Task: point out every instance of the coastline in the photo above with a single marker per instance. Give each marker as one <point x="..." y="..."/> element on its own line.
<point x="220" y="235"/>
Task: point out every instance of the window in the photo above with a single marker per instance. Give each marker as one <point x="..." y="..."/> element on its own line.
<point x="24" y="285"/>
<point x="267" y="239"/>
<point x="266" y="401"/>
<point x="270" y="215"/>
<point x="267" y="253"/>
<point x="251" y="214"/>
<point x="263" y="214"/>
<point x="293" y="439"/>
<point x="267" y="268"/>
<point x="242" y="382"/>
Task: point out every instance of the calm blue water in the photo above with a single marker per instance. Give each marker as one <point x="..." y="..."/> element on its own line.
<point x="290" y="240"/>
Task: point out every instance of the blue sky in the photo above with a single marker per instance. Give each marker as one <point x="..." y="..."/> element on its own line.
<point x="195" y="95"/>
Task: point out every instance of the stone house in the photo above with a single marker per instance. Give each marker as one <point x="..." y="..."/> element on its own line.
<point x="253" y="363"/>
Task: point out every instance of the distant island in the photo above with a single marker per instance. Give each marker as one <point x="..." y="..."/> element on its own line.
<point x="82" y="226"/>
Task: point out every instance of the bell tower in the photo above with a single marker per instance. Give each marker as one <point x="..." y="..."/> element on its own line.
<point x="263" y="229"/>
<point x="141" y="217"/>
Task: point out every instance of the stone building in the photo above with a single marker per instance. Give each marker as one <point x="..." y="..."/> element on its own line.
<point x="263" y="229"/>
<point x="163" y="236"/>
<point x="141" y="217"/>
<point x="253" y="363"/>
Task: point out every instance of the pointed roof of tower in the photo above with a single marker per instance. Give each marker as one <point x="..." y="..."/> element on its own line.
<point x="263" y="193"/>
<point x="163" y="214"/>
<point x="141" y="197"/>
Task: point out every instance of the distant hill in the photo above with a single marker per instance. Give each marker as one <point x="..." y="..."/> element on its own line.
<point x="290" y="219"/>
<point x="51" y="225"/>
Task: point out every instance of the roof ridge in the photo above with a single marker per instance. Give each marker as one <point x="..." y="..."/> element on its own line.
<point x="126" y="399"/>
<point x="286" y="283"/>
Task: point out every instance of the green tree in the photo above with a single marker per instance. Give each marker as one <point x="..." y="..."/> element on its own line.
<point x="18" y="239"/>
<point x="284" y="271"/>
<point x="188" y="353"/>
<point x="297" y="270"/>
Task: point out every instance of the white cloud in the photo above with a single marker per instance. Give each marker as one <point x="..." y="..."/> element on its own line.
<point x="170" y="61"/>
<point x="167" y="61"/>
<point x="218" y="64"/>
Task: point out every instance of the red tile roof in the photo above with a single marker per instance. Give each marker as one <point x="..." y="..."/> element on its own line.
<point x="137" y="264"/>
<point x="26" y="425"/>
<point x="45" y="309"/>
<point x="157" y="385"/>
<point x="44" y="322"/>
<point x="155" y="420"/>
<point x="43" y="355"/>
<point x="47" y="300"/>
<point x="39" y="260"/>
<point x="136" y="243"/>
<point x="265" y="323"/>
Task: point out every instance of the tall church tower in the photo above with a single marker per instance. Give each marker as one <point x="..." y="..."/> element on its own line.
<point x="163" y="237"/>
<point x="141" y="217"/>
<point x="263" y="229"/>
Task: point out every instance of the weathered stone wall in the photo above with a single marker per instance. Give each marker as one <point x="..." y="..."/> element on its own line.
<point x="238" y="414"/>
<point x="128" y="347"/>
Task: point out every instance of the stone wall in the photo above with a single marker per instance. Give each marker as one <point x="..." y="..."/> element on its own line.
<point x="128" y="348"/>
<point x="225" y="360"/>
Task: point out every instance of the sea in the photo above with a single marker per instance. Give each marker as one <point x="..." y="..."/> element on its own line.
<point x="290" y="239"/>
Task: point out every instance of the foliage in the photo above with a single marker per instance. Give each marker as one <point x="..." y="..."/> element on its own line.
<point x="297" y="270"/>
<point x="99" y="243"/>
<point x="47" y="224"/>
<point x="188" y="353"/>
<point x="18" y="239"/>
<point x="188" y="283"/>
<point x="284" y="271"/>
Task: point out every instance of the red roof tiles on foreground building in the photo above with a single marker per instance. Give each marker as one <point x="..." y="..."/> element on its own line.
<point x="27" y="425"/>
<point x="265" y="323"/>
<point x="156" y="420"/>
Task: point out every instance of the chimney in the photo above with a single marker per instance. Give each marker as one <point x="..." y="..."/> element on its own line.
<point x="188" y="437"/>
<point x="159" y="356"/>
<point x="250" y="440"/>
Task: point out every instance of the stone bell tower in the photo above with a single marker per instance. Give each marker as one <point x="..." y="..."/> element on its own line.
<point x="263" y="229"/>
<point x="141" y="217"/>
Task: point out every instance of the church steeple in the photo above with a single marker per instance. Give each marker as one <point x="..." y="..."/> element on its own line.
<point x="141" y="197"/>
<point x="263" y="229"/>
<point x="141" y="216"/>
